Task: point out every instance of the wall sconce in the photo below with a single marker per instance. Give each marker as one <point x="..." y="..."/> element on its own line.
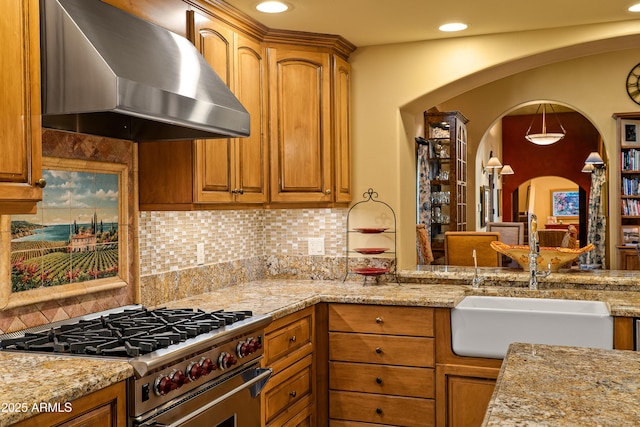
<point x="493" y="163"/>
<point x="594" y="161"/>
<point x="544" y="138"/>
<point x="588" y="168"/>
<point x="506" y="170"/>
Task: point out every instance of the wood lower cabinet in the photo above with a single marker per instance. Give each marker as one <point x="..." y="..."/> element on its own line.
<point x="21" y="137"/>
<point x="103" y="408"/>
<point x="628" y="258"/>
<point x="288" y="399"/>
<point x="466" y="392"/>
<point x="381" y="363"/>
<point x="464" y="385"/>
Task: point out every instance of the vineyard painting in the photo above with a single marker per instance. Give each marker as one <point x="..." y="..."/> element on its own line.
<point x="74" y="235"/>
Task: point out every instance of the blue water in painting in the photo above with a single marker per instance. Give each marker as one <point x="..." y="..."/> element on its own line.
<point x="57" y="233"/>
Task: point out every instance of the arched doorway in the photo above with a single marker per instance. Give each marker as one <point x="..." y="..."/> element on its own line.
<point x="564" y="159"/>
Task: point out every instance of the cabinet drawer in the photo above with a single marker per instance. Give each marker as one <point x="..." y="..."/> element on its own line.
<point x="288" y="338"/>
<point x="345" y="423"/>
<point x="381" y="319"/>
<point x="286" y="389"/>
<point x="304" y="418"/>
<point x="382" y="379"/>
<point x="381" y="349"/>
<point x="377" y="408"/>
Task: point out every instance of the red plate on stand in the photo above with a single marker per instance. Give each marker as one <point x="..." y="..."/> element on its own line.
<point x="371" y="271"/>
<point x="371" y="251"/>
<point x="370" y="230"/>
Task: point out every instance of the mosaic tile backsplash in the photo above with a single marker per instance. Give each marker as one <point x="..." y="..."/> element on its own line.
<point x="168" y="240"/>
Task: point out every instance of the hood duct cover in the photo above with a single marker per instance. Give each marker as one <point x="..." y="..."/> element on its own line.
<point x="106" y="72"/>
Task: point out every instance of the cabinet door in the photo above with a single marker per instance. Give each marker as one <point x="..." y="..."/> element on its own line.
<point x="300" y="108"/>
<point x="214" y="158"/>
<point x="233" y="170"/>
<point x="104" y="408"/>
<point x="463" y="394"/>
<point x="342" y="128"/>
<point x="628" y="259"/>
<point x="21" y="137"/>
<point x="251" y="153"/>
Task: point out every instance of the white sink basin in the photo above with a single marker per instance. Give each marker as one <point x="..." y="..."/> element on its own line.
<point x="484" y="326"/>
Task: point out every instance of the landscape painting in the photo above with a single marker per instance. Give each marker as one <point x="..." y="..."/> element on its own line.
<point x="73" y="237"/>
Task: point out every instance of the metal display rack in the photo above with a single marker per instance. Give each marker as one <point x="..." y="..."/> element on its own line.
<point x="370" y="252"/>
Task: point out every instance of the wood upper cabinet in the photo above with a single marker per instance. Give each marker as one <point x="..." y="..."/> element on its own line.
<point x="21" y="136"/>
<point x="233" y="170"/>
<point x="300" y="107"/>
<point x="229" y="171"/>
<point x="342" y="128"/>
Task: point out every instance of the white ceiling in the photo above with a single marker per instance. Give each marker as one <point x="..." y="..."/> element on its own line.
<point x="373" y="22"/>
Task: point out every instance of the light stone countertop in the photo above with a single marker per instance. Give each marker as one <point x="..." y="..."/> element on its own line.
<point x="28" y="380"/>
<point x="541" y="385"/>
<point x="282" y="297"/>
<point x="46" y="378"/>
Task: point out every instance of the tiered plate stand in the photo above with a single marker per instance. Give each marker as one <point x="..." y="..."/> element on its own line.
<point x="370" y="197"/>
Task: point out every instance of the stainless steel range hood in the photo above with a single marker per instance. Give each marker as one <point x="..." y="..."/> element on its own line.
<point x="106" y="72"/>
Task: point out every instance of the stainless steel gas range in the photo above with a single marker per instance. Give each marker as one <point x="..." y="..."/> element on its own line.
<point x="192" y="368"/>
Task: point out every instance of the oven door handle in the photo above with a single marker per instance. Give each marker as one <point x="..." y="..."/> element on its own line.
<point x="260" y="380"/>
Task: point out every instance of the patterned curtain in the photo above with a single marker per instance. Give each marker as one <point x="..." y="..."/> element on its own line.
<point x="424" y="187"/>
<point x="424" y="202"/>
<point x="597" y="224"/>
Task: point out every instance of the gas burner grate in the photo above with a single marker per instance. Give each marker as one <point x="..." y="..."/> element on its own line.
<point x="129" y="333"/>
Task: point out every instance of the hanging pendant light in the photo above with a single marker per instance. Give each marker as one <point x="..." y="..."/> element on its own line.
<point x="544" y="137"/>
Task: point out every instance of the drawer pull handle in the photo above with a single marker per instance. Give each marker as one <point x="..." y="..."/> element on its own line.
<point x="378" y="410"/>
<point x="293" y="393"/>
<point x="379" y="380"/>
<point x="379" y="320"/>
<point x="378" y="350"/>
<point x="292" y="339"/>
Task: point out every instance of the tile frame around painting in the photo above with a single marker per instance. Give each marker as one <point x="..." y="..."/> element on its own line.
<point x="9" y="299"/>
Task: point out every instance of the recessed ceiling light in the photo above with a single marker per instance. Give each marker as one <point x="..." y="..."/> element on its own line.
<point x="454" y="26"/>
<point x="634" y="8"/>
<point x="272" y="7"/>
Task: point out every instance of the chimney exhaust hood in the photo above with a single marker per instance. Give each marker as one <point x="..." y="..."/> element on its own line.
<point x="106" y="72"/>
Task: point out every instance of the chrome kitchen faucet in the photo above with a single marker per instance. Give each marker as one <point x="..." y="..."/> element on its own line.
<point x="534" y="253"/>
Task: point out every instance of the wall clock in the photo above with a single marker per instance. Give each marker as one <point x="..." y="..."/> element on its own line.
<point x="633" y="84"/>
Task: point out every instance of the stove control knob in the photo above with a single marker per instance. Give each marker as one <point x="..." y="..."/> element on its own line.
<point x="207" y="366"/>
<point x="245" y="348"/>
<point x="194" y="371"/>
<point x="178" y="378"/>
<point x="226" y="360"/>
<point x="242" y="349"/>
<point x="163" y="385"/>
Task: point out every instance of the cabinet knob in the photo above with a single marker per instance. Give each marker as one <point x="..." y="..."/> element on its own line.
<point x="378" y="380"/>
<point x="379" y="320"/>
<point x="292" y="339"/>
<point x="378" y="410"/>
<point x="327" y="191"/>
<point x="379" y="350"/>
<point x="41" y="183"/>
<point x="241" y="191"/>
<point x="293" y="393"/>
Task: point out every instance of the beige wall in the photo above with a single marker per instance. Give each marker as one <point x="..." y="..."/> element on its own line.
<point x="484" y="77"/>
